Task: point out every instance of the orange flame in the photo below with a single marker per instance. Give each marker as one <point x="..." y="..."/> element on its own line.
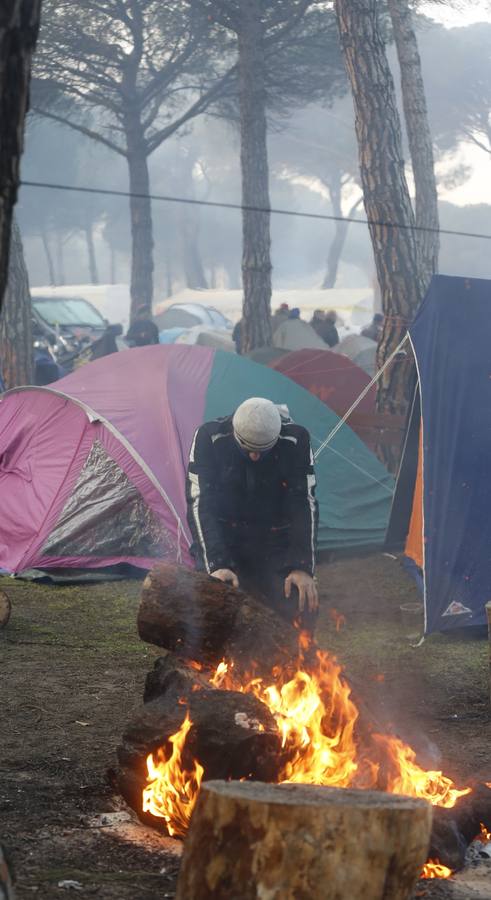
<point x="172" y="790"/>
<point x="316" y="718"/>
<point x="219" y="675"/>
<point x="484" y="835"/>
<point x="406" y="777"/>
<point x="434" y="869"/>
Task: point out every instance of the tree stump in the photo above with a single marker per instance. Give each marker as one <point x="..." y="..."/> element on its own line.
<point x="200" y="618"/>
<point x="299" y="842"/>
<point x="5" y="609"/>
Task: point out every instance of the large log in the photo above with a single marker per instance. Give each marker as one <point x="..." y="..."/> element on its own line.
<point x="290" y="842"/>
<point x="203" y="619"/>
<point x="233" y="735"/>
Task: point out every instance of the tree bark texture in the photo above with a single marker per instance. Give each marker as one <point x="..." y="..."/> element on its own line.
<point x="19" y="24"/>
<point x="385" y="190"/>
<point x="256" y="240"/>
<point x="141" y="283"/>
<point x="16" y="352"/>
<point x="286" y="842"/>
<point x="204" y="620"/>
<point x="419" y="136"/>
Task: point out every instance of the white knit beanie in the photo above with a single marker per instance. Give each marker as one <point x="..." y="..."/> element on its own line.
<point x="256" y="424"/>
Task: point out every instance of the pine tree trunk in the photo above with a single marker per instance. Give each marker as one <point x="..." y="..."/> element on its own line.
<point x="418" y="133"/>
<point x="112" y="264"/>
<point x="340" y="233"/>
<point x="15" y="320"/>
<point x="141" y="284"/>
<point x="60" y="258"/>
<point x="89" y="237"/>
<point x="385" y="190"/>
<point x="256" y="260"/>
<point x="194" y="271"/>
<point x="19" y="24"/>
<point x="49" y="257"/>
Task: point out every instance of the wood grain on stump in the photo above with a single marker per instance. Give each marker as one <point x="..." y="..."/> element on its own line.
<point x="5" y="609"/>
<point x="201" y="618"/>
<point x="250" y="841"/>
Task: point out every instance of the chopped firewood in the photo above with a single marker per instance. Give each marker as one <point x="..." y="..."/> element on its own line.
<point x="252" y="840"/>
<point x="202" y="619"/>
<point x="233" y="735"/>
<point x="5" y="609"/>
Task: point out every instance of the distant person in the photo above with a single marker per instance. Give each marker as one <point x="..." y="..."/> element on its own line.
<point x="237" y="336"/>
<point x="324" y="325"/>
<point x="280" y="316"/>
<point x="143" y="330"/>
<point x="294" y="313"/>
<point x="331" y="335"/>
<point x="374" y="330"/>
<point x="317" y="322"/>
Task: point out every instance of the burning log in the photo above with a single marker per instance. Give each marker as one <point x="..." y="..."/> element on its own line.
<point x="5" y="609"/>
<point x="232" y="734"/>
<point x="173" y="674"/>
<point x="203" y="619"/>
<point x="454" y="829"/>
<point x="252" y="840"/>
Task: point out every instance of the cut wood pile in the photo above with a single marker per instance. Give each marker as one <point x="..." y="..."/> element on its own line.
<point x="215" y="730"/>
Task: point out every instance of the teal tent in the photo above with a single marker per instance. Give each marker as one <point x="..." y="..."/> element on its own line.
<point x="353" y="488"/>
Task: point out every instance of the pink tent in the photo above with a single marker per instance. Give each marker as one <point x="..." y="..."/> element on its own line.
<point x="100" y="439"/>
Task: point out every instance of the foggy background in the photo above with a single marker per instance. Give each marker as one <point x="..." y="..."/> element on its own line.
<point x="72" y="238"/>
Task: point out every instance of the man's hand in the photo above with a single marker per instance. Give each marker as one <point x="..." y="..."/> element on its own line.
<point x="227" y="576"/>
<point x="307" y="590"/>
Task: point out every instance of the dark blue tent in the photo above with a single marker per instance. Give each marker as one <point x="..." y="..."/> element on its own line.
<point x="451" y="339"/>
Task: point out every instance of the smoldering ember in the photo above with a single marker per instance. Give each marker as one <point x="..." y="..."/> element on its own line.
<point x="245" y="401"/>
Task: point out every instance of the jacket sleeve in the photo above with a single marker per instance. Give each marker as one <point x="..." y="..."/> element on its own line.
<point x="302" y="510"/>
<point x="201" y="497"/>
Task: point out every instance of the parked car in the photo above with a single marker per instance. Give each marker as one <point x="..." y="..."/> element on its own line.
<point x="187" y="315"/>
<point x="64" y="328"/>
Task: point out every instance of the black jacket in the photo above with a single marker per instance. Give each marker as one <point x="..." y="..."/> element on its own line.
<point x="233" y="502"/>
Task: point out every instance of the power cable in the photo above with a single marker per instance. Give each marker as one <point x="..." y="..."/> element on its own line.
<point x="217" y="204"/>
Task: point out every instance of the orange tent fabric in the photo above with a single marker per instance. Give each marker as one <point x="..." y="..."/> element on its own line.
<point x="414" y="542"/>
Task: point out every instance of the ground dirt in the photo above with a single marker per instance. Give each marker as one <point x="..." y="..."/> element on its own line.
<point x="72" y="668"/>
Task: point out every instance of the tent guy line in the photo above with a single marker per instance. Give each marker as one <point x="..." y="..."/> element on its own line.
<point x="358" y="400"/>
<point x="278" y="211"/>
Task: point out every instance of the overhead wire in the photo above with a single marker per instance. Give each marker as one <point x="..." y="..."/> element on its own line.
<point x="278" y="211"/>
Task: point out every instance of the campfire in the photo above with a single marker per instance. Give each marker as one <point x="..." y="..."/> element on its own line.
<point x="285" y="716"/>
